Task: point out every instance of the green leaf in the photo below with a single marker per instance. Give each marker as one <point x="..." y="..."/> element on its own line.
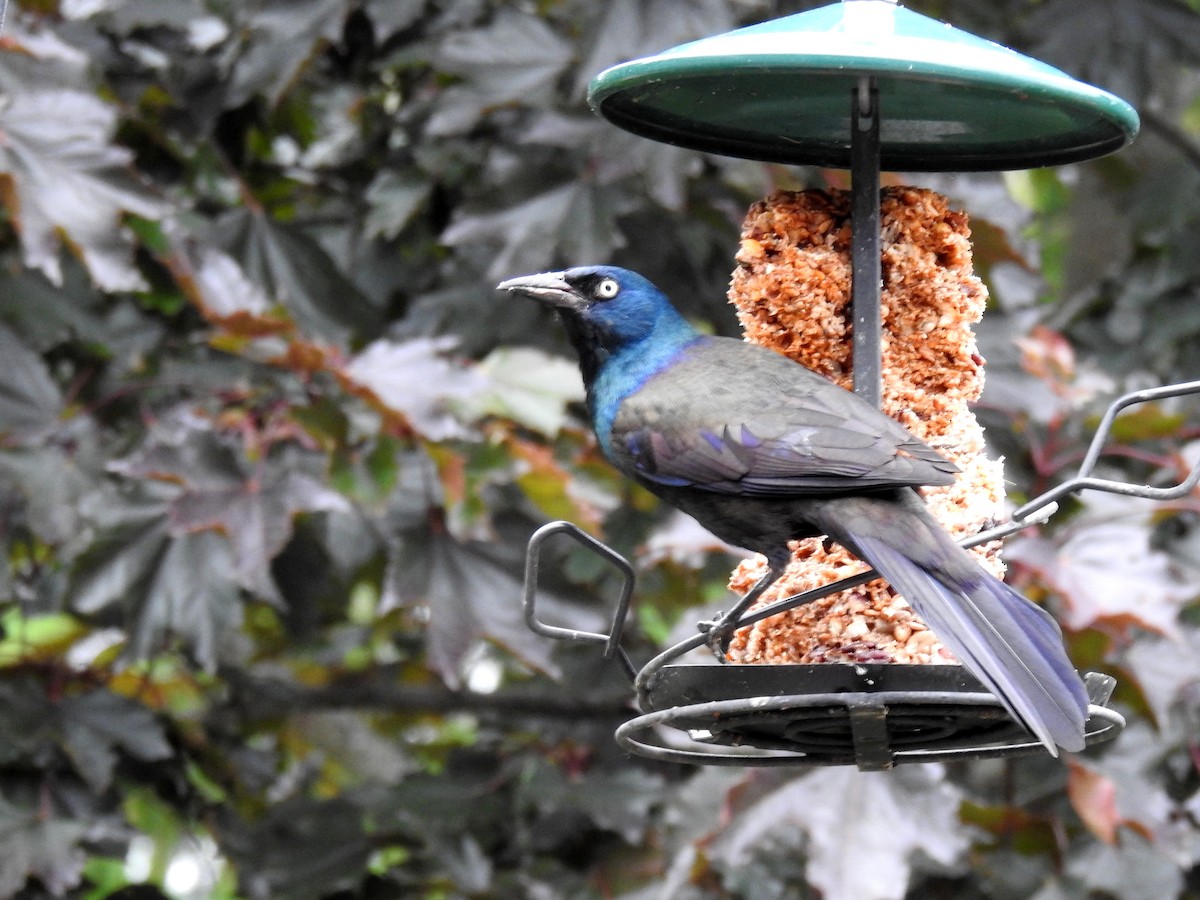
<point x="1044" y="192"/>
<point x="1148" y="421"/>
<point x="37" y="638"/>
<point x="65" y="177"/>
<point x="528" y="386"/>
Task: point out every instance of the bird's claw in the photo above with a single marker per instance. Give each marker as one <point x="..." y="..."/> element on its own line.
<point x="718" y="633"/>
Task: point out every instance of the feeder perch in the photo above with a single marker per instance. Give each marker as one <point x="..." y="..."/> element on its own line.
<point x="864" y="85"/>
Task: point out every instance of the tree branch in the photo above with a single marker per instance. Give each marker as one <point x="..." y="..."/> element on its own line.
<point x="1173" y="135"/>
<point x="264" y="698"/>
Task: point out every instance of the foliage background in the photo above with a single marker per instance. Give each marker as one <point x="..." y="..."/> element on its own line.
<point x="270" y="448"/>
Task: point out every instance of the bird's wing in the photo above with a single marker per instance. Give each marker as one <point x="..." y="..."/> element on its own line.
<point x="730" y="417"/>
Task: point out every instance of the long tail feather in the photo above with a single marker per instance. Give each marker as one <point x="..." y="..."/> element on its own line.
<point x="1012" y="646"/>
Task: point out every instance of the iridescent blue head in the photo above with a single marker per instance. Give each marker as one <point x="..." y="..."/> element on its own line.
<point x="606" y="309"/>
<point x="624" y="329"/>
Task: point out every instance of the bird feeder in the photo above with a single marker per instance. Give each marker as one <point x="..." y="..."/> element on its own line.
<point x="862" y="85"/>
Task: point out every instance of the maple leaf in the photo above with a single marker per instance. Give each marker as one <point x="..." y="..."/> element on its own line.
<point x="30" y="402"/>
<point x="61" y="177"/>
<point x="282" y="36"/>
<point x="571" y="221"/>
<point x="294" y="272"/>
<point x="253" y="506"/>
<point x="528" y="386"/>
<point x="416" y="379"/>
<point x="849" y="816"/>
<point x="1107" y="572"/>
<point x="162" y="586"/>
<point x="472" y="591"/>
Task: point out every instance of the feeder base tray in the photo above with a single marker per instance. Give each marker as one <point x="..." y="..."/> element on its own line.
<point x="872" y="716"/>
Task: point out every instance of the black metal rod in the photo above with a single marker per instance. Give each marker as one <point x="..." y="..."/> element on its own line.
<point x="866" y="284"/>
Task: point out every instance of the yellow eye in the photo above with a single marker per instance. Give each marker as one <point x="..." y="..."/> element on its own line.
<point x="607" y="289"/>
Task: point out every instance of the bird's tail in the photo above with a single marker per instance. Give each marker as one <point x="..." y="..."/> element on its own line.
<point x="1011" y="645"/>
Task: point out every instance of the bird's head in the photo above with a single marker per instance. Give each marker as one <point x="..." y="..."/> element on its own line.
<point x="605" y="307"/>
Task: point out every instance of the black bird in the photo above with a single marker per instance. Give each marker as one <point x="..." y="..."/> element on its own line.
<point x="762" y="450"/>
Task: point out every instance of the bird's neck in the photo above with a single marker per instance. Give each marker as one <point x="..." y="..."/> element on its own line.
<point x="612" y="370"/>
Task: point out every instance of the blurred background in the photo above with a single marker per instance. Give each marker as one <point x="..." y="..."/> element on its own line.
<point x="271" y="447"/>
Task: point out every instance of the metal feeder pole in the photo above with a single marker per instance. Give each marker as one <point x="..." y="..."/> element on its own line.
<point x="864" y="251"/>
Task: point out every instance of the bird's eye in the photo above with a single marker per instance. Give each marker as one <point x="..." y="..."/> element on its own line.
<point x="607" y="289"/>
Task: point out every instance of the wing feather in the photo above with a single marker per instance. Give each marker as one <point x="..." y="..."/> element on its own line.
<point x="731" y="417"/>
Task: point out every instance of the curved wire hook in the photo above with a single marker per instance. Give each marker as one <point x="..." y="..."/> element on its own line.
<point x="1084" y="480"/>
<point x="611" y="640"/>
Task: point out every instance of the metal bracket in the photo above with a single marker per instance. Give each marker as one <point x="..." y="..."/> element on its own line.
<point x="1084" y="480"/>
<point x="533" y="558"/>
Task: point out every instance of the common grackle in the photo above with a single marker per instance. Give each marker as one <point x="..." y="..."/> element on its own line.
<point x="761" y="451"/>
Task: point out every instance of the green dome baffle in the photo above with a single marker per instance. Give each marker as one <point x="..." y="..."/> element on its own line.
<point x="864" y="85"/>
<point x="949" y="101"/>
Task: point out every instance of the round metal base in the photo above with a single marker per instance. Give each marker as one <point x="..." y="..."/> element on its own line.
<point x="872" y="716"/>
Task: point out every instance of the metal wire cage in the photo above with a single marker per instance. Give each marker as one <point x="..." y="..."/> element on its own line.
<point x="872" y="716"/>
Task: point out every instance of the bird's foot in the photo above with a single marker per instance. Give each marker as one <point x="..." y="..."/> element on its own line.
<point x="718" y="632"/>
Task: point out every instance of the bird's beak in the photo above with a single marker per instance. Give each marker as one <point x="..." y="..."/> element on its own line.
<point x="550" y="288"/>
